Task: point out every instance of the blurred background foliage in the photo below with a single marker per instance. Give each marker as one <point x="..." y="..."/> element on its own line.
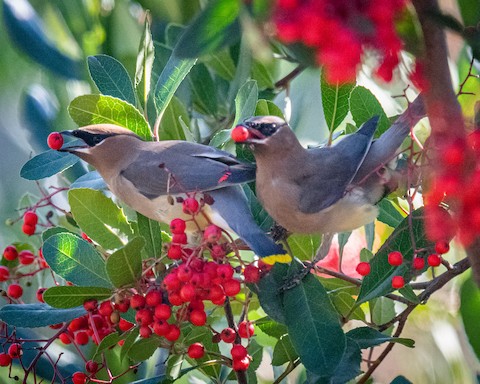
<point x="41" y="74"/>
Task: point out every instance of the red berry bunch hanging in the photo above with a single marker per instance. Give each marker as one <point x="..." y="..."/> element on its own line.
<point x="338" y="30"/>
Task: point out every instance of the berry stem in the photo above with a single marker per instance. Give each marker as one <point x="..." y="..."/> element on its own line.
<point x="241" y="375"/>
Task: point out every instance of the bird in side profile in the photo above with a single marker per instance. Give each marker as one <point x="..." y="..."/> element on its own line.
<point x="154" y="178"/>
<point x="327" y="189"/>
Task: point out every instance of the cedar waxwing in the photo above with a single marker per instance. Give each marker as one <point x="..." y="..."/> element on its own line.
<point x="326" y="189"/>
<point x="153" y="178"/>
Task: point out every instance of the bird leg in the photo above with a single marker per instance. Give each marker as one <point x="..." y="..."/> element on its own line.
<point x="278" y="233"/>
<point x="320" y="255"/>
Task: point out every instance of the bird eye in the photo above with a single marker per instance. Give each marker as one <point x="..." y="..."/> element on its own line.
<point x="97" y="139"/>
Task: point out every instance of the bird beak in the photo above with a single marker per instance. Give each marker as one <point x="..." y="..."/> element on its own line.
<point x="244" y="134"/>
<point x="76" y="145"/>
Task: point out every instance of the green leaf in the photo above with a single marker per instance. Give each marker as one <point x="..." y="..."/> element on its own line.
<point x="75" y="260"/>
<point x="170" y="126"/>
<point x="99" y="217"/>
<point x="304" y="247"/>
<point x="131" y="337"/>
<point x="255" y="350"/>
<point x="215" y="27"/>
<point x="49" y="232"/>
<point x="401" y="380"/>
<point x="262" y="75"/>
<point x="107" y="342"/>
<point x="91" y="180"/>
<point x="261" y="216"/>
<point x="408" y="293"/>
<point x="367" y="337"/>
<point x="382" y="310"/>
<point x="470" y="11"/>
<point x="344" y="303"/>
<point x="73" y="296"/>
<point x="268" y="108"/>
<point x="379" y="281"/>
<point x="150" y="231"/>
<point x="202" y="335"/>
<point x="37" y="315"/>
<point x="333" y="285"/>
<point x="47" y="164"/>
<point x="124" y="266"/>
<point x="271" y="328"/>
<point x="267" y="290"/>
<point x="246" y="101"/>
<point x="364" y="105"/>
<point x="349" y="367"/>
<point x="145" y="59"/>
<point x="143" y="349"/>
<point x="284" y="352"/>
<point x="389" y="214"/>
<point x="101" y="109"/>
<point x="170" y="79"/>
<point x="470" y="308"/>
<point x="222" y="64"/>
<point x="318" y="338"/>
<point x="335" y="102"/>
<point x="111" y="77"/>
<point x="203" y="90"/>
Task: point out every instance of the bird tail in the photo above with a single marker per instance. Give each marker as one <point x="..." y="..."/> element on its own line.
<point x="231" y="203"/>
<point x="383" y="149"/>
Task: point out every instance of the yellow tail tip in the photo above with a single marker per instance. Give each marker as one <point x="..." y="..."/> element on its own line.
<point x="284" y="258"/>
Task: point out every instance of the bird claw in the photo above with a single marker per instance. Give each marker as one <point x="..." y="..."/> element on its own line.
<point x="295" y="280"/>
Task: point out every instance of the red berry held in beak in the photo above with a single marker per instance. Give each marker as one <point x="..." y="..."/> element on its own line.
<point x="55" y="140"/>
<point x="240" y="134"/>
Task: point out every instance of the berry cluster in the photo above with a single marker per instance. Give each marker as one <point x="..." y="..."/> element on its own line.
<point x="19" y="264"/>
<point x="395" y="259"/>
<point x="455" y="183"/>
<point x="339" y="29"/>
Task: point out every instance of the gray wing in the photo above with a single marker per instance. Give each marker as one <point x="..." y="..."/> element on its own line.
<point x="180" y="167"/>
<point x="331" y="169"/>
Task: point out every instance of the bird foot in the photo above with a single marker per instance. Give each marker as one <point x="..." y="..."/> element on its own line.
<point x="295" y="280"/>
<point x="279" y="233"/>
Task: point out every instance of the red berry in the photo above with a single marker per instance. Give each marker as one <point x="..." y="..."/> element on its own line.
<point x="28" y="229"/>
<point x="162" y="312"/>
<point x="218" y="252"/>
<point x="55" y="140"/>
<point x="196" y="351"/>
<point x="40" y="292"/>
<point x="161" y="327"/>
<point x="184" y="273"/>
<point x="240" y="134"/>
<point x="178" y="226"/>
<point x="238" y="352"/>
<point x="90" y="305"/>
<point x="418" y="263"/>
<point x="442" y="247"/>
<point x="231" y="287"/>
<point x="30" y="218"/>
<point x="144" y="316"/>
<point x="122" y="306"/>
<point x="246" y="329"/>
<point x="252" y="274"/>
<point x="125" y="325"/>
<point x="65" y="338"/>
<point x="174" y="252"/>
<point x="191" y="206"/>
<point x="91" y="366"/>
<point x="198" y="317"/>
<point x="228" y="335"/>
<point x="79" y="378"/>
<point x="105" y="308"/>
<point x="398" y="282"/>
<point x="81" y="337"/>
<point x="241" y="364"/>
<point x="145" y="331"/>
<point x="225" y="271"/>
<point x="10" y="253"/>
<point x="434" y="260"/>
<point x="5" y="360"/>
<point x="173" y="333"/>
<point x="15" y="291"/>
<point x="363" y="268"/>
<point x="212" y="234"/>
<point x="85" y="237"/>
<point x="180" y="238"/>
<point x="26" y="257"/>
<point x="4" y="273"/>
<point x="395" y="258"/>
<point x="15" y="350"/>
<point x="216" y="295"/>
<point x="187" y="292"/>
<point x="137" y="301"/>
<point x="153" y="298"/>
